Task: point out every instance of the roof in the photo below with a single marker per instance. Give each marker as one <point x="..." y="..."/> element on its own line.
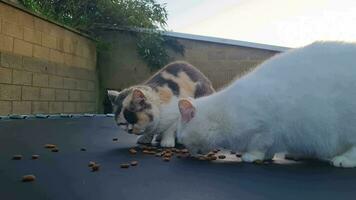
<point x="225" y="41"/>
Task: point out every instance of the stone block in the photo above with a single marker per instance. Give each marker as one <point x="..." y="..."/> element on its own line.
<point x="10" y="92"/>
<point x="47" y="94"/>
<point x="22" y="77"/>
<point x="62" y="95"/>
<point x="40" y="80"/>
<point x="5" y="75"/>
<point x="22" y="47"/>
<point x="30" y="93"/>
<point x="21" y="107"/>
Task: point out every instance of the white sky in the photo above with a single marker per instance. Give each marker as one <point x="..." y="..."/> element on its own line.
<point x="289" y="23"/>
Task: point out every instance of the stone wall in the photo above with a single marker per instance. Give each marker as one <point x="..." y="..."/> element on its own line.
<point x="44" y="67"/>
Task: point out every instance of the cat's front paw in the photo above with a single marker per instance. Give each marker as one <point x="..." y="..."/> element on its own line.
<point x="144" y="139"/>
<point x="168" y="142"/>
<point x="252" y="156"/>
<point x="343" y="161"/>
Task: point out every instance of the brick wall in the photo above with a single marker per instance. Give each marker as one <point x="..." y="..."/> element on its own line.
<point x="44" y="67"/>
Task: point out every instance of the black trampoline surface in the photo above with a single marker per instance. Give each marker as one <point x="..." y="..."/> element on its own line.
<point x="65" y="175"/>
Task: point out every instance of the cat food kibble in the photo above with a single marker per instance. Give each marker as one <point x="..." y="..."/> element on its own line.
<point x="49" y="146"/>
<point x="184" y="151"/>
<point x="221" y="156"/>
<point x="167" y="159"/>
<point x="168" y="154"/>
<point x="28" y="178"/>
<point x="91" y="164"/>
<point x="134" y="163"/>
<point x="55" y="150"/>
<point x="95" y="167"/>
<point x="17" y="157"/>
<point x="146" y="151"/>
<point x="132" y="151"/>
<point x="34" y="157"/>
<point x="125" y="165"/>
<point x="151" y="152"/>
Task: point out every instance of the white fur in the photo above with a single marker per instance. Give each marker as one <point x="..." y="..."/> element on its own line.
<point x="169" y="116"/>
<point x="302" y="102"/>
<point x="165" y="123"/>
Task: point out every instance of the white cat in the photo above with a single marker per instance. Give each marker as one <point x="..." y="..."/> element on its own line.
<point x="302" y="102"/>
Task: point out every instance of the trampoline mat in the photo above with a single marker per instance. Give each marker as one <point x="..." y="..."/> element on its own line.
<point x="65" y="175"/>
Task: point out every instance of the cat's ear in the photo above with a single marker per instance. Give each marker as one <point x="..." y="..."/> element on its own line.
<point x="112" y="95"/>
<point x="186" y="109"/>
<point x="138" y="96"/>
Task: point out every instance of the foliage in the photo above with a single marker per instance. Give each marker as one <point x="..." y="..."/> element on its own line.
<point x="90" y="16"/>
<point x="152" y="47"/>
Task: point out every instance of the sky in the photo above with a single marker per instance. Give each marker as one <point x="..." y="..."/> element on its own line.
<point x="289" y="23"/>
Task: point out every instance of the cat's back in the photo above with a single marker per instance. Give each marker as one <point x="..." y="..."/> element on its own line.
<point x="180" y="79"/>
<point x="317" y="60"/>
<point x="309" y="90"/>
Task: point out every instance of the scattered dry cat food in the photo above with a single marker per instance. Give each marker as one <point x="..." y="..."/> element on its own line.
<point x="115" y="139"/>
<point x="28" y="178"/>
<point x="17" y="157"/>
<point x="91" y="164"/>
<point x="134" y="163"/>
<point x="55" y="150"/>
<point x="125" y="165"/>
<point x="221" y="156"/>
<point x="149" y="152"/>
<point x="151" y="148"/>
<point x="167" y="159"/>
<point x="167" y="154"/>
<point x="50" y="146"/>
<point x="146" y="151"/>
<point x="95" y="167"/>
<point x="184" y="151"/>
<point x="34" y="157"/>
<point x="132" y="151"/>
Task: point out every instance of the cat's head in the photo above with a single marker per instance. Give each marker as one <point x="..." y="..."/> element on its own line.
<point x="135" y="109"/>
<point x="194" y="130"/>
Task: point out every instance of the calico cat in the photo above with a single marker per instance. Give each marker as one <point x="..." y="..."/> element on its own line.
<point x="151" y="108"/>
<point x="302" y="102"/>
